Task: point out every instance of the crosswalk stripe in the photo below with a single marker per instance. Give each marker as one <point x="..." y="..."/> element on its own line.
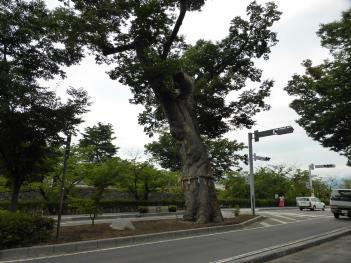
<point x="265" y="224"/>
<point x="285" y="217"/>
<point x="277" y="220"/>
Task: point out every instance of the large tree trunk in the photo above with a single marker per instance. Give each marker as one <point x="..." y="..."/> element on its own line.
<point x="201" y="204"/>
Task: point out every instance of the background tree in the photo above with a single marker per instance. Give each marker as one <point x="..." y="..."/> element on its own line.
<point x="141" y="39"/>
<point x="223" y="154"/>
<point x="236" y="186"/>
<point x="100" y="176"/>
<point x="346" y="183"/>
<point x="97" y="141"/>
<point x="324" y="91"/>
<point x="50" y="185"/>
<point x="31" y="116"/>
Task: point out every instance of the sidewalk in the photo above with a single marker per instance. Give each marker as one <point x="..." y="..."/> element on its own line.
<point x="337" y="250"/>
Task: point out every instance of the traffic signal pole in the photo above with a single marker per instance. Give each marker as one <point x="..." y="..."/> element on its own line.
<point x="257" y="135"/>
<point x="252" y="180"/>
<point x="310" y="168"/>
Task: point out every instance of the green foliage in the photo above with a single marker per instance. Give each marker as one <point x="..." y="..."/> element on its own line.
<point x="142" y="178"/>
<point x="271" y="181"/>
<point x="223" y="154"/>
<point x="236" y="210"/>
<point x="346" y="183"/>
<point x="76" y="171"/>
<point x="97" y="141"/>
<point x="86" y="206"/>
<point x="323" y="92"/>
<point x="172" y="208"/>
<point x="236" y="186"/>
<point x="143" y="38"/>
<point x="32" y="117"/>
<point x="17" y="229"/>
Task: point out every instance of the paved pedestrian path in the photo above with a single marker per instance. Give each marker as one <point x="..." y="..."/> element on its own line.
<point x="337" y="251"/>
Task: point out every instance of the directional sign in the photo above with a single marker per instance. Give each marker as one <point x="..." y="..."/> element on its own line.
<point x="277" y="131"/>
<point x="284" y="130"/>
<point x="261" y="158"/>
<point x="324" y="166"/>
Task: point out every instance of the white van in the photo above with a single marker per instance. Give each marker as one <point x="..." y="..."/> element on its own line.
<point x="309" y="202"/>
<point x="340" y="202"/>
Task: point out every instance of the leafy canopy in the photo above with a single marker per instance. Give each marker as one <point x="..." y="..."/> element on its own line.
<point x="323" y="93"/>
<point x="141" y="38"/>
<point x="97" y="141"/>
<point x="32" y="118"/>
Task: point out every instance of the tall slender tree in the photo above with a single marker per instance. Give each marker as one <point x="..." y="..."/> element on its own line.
<point x="180" y="85"/>
<point x="31" y="116"/>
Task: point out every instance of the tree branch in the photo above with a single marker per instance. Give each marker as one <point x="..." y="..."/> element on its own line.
<point x="113" y="50"/>
<point x="168" y="44"/>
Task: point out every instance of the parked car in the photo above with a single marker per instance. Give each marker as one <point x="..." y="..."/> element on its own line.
<point x="340" y="202"/>
<point x="310" y="202"/>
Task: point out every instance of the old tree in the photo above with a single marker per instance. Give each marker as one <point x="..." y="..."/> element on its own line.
<point x="180" y="85"/>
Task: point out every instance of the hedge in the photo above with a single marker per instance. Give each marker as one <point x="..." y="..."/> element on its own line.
<point x="18" y="229"/>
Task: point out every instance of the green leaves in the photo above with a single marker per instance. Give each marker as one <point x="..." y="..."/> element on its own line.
<point x="97" y="141"/>
<point x="324" y="91"/>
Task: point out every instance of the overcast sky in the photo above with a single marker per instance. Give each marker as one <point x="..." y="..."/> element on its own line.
<point x="297" y="41"/>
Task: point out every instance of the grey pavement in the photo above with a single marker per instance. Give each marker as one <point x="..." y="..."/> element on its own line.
<point x="338" y="250"/>
<point x="289" y="230"/>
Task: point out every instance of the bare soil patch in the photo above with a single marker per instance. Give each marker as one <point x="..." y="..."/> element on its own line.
<point x="100" y="231"/>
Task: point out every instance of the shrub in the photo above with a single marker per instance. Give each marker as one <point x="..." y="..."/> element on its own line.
<point x="17" y="229"/>
<point x="142" y="209"/>
<point x="172" y="208"/>
<point x="237" y="210"/>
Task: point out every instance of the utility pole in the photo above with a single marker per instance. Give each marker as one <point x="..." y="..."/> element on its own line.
<point x="65" y="159"/>
<point x="252" y="180"/>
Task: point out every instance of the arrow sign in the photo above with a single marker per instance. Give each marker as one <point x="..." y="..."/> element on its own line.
<point x="324" y="166"/>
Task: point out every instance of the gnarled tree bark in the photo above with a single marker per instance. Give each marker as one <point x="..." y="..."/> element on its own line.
<point x="197" y="182"/>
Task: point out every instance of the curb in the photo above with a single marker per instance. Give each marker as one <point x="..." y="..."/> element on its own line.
<point x="72" y="247"/>
<point x="136" y="215"/>
<point x="278" y="251"/>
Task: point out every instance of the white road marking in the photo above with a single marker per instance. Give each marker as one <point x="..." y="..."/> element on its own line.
<point x="279" y="221"/>
<point x="285" y="217"/>
<point x="251" y="253"/>
<point x="265" y="224"/>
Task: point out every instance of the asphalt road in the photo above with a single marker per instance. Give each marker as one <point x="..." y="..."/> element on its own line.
<point x="281" y="226"/>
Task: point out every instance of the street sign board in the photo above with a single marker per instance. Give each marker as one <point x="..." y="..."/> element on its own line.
<point x="324" y="166"/>
<point x="284" y="130"/>
<point x="261" y="158"/>
<point x="277" y="131"/>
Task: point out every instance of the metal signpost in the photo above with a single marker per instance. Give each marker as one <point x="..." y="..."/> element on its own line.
<point x="312" y="167"/>
<point x="257" y="135"/>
